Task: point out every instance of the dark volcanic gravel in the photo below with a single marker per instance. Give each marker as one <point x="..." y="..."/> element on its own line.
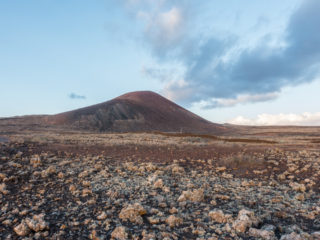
<point x="64" y="194"/>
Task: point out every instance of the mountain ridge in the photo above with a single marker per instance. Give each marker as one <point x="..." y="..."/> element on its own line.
<point x="135" y="112"/>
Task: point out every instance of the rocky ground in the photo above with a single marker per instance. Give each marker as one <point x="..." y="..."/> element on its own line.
<point x="69" y="193"/>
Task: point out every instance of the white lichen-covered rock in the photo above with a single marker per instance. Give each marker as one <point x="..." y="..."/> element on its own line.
<point x="93" y="235"/>
<point x="148" y="236"/>
<point x="184" y="196"/>
<point x="22" y="229"/>
<point x="300" y="197"/>
<point x="119" y="233"/>
<point x="131" y="167"/>
<point x="151" y="167"/>
<point x="37" y="223"/>
<point x="297" y="187"/>
<point x="3" y="189"/>
<point x="102" y="216"/>
<point x="158" y="184"/>
<point x="83" y="174"/>
<point x="292" y="236"/>
<point x="221" y="169"/>
<point x="35" y="161"/>
<point x="316" y="235"/>
<point x="2" y="176"/>
<point x="133" y="213"/>
<point x="173" y="221"/>
<point x="219" y="217"/>
<point x="197" y="195"/>
<point x="177" y="169"/>
<point x="263" y="234"/>
<point x="244" y="220"/>
<point x="50" y="170"/>
<point x="153" y="220"/>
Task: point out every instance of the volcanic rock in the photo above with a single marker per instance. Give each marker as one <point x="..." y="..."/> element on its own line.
<point x="119" y="233"/>
<point x="218" y="216"/>
<point x="135" y="112"/>
<point x="22" y="229"/>
<point x="244" y="220"/>
<point x="133" y="213"/>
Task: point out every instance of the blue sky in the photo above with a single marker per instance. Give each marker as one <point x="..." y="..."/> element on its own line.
<point x="244" y="62"/>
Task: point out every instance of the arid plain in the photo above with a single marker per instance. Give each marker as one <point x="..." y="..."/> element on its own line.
<point x="250" y="183"/>
<point x="141" y="167"/>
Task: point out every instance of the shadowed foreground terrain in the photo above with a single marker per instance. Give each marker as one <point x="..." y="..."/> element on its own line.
<point x="260" y="183"/>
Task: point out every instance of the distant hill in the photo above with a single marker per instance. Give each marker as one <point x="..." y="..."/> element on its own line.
<point x="142" y="111"/>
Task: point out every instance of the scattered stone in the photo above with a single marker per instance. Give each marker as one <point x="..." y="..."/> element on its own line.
<point x="133" y="213"/>
<point x="2" y="176"/>
<point x="150" y="167"/>
<point x="72" y="188"/>
<point x="220" y="169"/>
<point x="298" y="187"/>
<point x="177" y="170"/>
<point x="244" y="220"/>
<point x="37" y="223"/>
<point x="50" y="170"/>
<point x="60" y="175"/>
<point x="292" y="236"/>
<point x="173" y="210"/>
<point x="35" y="161"/>
<point x="3" y="188"/>
<point x="158" y="184"/>
<point x="300" y="197"/>
<point x="102" y="216"/>
<point x="22" y="229"/>
<point x="153" y="220"/>
<point x="119" y="233"/>
<point x="7" y="222"/>
<point x="218" y="216"/>
<point x="93" y="235"/>
<point x="197" y="195"/>
<point x="315" y="235"/>
<point x="86" y="183"/>
<point x="86" y="192"/>
<point x="83" y="174"/>
<point x="173" y="221"/>
<point x="148" y="236"/>
<point x="86" y="195"/>
<point x="264" y="234"/>
<point x="213" y="202"/>
<point x="222" y="197"/>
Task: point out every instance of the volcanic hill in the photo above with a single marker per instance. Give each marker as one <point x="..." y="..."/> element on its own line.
<point x="142" y="111"/>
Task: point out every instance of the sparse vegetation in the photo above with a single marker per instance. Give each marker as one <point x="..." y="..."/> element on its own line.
<point x="68" y="185"/>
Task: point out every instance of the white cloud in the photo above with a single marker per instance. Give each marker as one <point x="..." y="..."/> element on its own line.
<point x="163" y="27"/>
<point x="139" y="3"/>
<point x="304" y="119"/>
<point x="171" y="21"/>
<point x="241" y="99"/>
<point x="227" y="69"/>
<point x="163" y="23"/>
<point x="177" y="90"/>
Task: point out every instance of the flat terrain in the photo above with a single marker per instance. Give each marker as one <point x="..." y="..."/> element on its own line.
<point x="250" y="183"/>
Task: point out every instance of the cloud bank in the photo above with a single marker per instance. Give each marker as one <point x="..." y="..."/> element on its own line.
<point x="304" y="119"/>
<point x="76" y="96"/>
<point x="216" y="70"/>
<point x="240" y="99"/>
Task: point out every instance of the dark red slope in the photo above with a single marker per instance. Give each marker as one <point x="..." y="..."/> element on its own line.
<point x="135" y="112"/>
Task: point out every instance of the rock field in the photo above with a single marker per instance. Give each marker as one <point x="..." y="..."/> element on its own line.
<point x="63" y="195"/>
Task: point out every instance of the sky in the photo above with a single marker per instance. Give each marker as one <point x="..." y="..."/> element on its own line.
<point x="241" y="62"/>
